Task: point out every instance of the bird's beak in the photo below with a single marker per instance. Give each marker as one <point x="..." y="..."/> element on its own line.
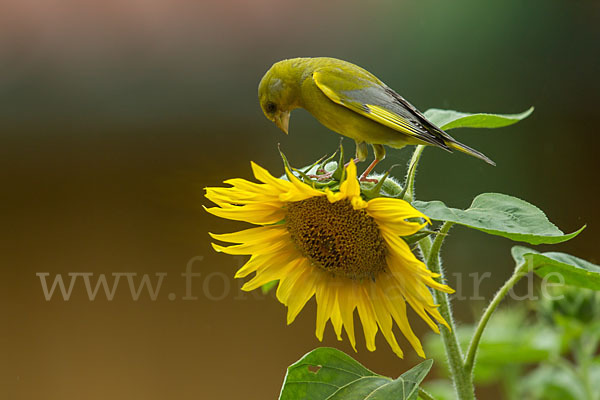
<point x="282" y="120"/>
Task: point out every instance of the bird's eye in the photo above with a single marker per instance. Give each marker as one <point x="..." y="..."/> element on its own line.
<point x="271" y="107"/>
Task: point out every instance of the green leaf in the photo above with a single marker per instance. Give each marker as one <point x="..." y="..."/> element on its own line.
<point x="550" y="382"/>
<point x="327" y="373"/>
<point x="440" y="389"/>
<point x="501" y="215"/>
<point x="573" y="270"/>
<point x="448" y="119"/>
<point x="411" y="380"/>
<point x="267" y="287"/>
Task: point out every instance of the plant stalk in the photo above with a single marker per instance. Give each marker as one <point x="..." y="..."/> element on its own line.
<point x="463" y="382"/>
<point x="520" y="271"/>
<point x="412" y="171"/>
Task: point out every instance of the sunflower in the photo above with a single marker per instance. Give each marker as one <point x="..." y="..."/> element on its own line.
<point x="344" y="250"/>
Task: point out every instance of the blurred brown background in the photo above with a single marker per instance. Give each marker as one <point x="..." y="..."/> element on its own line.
<point x="115" y="115"/>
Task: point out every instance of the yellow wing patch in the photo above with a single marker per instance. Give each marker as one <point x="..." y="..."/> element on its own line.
<point x="391" y="120"/>
<point x="327" y="91"/>
<point x="376" y="113"/>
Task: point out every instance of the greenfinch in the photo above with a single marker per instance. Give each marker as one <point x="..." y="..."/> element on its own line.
<point x="352" y="102"/>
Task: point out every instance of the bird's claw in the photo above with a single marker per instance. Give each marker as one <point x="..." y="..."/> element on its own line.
<point x="365" y="179"/>
<point x="321" y="177"/>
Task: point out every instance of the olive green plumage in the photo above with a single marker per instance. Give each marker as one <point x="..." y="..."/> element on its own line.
<point x="350" y="101"/>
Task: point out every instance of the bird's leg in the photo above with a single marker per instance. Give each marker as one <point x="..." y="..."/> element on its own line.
<point x="362" y="151"/>
<point x="379" y="151"/>
<point x="363" y="177"/>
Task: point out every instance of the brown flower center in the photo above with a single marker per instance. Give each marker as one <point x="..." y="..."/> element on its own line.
<point x="336" y="237"/>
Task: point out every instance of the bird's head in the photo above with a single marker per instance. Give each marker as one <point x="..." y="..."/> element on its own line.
<point x="277" y="93"/>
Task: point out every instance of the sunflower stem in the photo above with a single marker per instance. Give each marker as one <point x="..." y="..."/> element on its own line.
<point x="463" y="382"/>
<point x="469" y="364"/>
<point x="409" y="187"/>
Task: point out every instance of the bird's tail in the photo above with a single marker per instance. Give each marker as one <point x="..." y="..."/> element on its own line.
<point x="467" y="150"/>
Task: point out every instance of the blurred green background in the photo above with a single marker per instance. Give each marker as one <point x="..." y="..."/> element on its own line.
<point x="115" y="115"/>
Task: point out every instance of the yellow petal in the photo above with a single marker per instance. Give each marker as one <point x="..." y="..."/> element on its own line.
<point x="399" y="254"/>
<point x="385" y="206"/>
<point x="297" y="195"/>
<point x="303" y="290"/>
<point x="259" y="261"/>
<point x="411" y="285"/>
<point x="417" y="306"/>
<point x="397" y="307"/>
<point x="397" y="227"/>
<point x="251" y="187"/>
<point x="265" y="275"/>
<point x="347" y="304"/>
<point x="286" y="283"/>
<point x="336" y="318"/>
<point x="262" y="233"/>
<point x="435" y="313"/>
<point x="350" y="187"/>
<point x="432" y="283"/>
<point x="264" y="176"/>
<point x="384" y="318"/>
<point x="367" y="317"/>
<point x="358" y="203"/>
<point x="334" y="196"/>
<point x="235" y="196"/>
<point x="325" y="294"/>
<point x="302" y="187"/>
<point x="251" y="248"/>
<point x="254" y="214"/>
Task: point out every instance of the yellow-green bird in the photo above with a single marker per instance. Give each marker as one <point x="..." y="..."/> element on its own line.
<point x="350" y="101"/>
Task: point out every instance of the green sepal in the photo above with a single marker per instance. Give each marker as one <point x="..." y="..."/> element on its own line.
<point x="340" y="172"/>
<point x="390" y="187"/>
<point x="309" y="167"/>
<point x="305" y="178"/>
<point x="417" y="237"/>
<point x="375" y="191"/>
<point x="327" y="160"/>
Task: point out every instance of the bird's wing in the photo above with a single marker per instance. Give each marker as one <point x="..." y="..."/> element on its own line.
<point x="364" y="94"/>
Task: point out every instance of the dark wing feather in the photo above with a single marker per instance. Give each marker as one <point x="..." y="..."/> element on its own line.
<point x="363" y="93"/>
